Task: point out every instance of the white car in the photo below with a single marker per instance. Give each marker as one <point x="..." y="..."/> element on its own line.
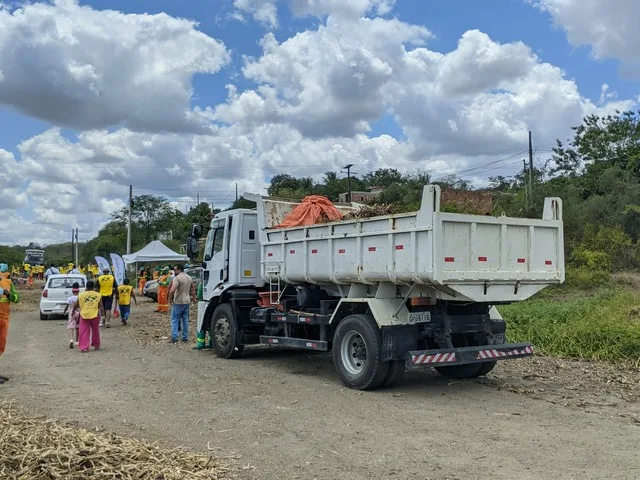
<point x="56" y="292"/>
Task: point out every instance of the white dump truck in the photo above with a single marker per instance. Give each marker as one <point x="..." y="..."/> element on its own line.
<point x="383" y="294"/>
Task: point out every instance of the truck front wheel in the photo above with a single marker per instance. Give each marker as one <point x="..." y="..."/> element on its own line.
<point x="357" y="353"/>
<point x="224" y="332"/>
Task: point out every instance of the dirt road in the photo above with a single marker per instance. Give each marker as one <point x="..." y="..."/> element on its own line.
<point x="285" y="415"/>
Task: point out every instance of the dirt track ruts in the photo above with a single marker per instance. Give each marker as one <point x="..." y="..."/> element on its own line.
<point x="286" y="416"/>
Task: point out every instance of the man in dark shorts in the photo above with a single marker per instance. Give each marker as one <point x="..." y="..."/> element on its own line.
<point x="108" y="287"/>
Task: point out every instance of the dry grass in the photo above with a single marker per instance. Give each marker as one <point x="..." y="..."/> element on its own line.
<point x="33" y="449"/>
<point x="149" y="327"/>
<point x="370" y="211"/>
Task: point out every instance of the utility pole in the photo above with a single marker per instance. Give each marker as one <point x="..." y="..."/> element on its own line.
<point x="76" y="256"/>
<point x="348" y="167"/>
<point x="236" y="191"/>
<point x="72" y="244"/>
<point x="129" y="220"/>
<point x="524" y="180"/>
<point x="197" y="199"/>
<point x="530" y="166"/>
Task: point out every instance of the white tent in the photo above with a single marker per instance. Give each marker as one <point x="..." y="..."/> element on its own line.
<point x="156" y="251"/>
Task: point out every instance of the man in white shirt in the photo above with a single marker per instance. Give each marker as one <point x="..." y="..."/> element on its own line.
<point x="52" y="270"/>
<point x="75" y="271"/>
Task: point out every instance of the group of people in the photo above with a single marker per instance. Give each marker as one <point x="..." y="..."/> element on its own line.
<point x="90" y="310"/>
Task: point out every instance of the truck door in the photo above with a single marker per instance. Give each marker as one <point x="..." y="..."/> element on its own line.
<point x="216" y="256"/>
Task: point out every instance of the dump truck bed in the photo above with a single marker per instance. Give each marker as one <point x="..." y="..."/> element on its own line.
<point x="477" y="258"/>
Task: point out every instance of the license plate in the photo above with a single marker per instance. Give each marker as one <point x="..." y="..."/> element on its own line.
<point x="419" y="317"/>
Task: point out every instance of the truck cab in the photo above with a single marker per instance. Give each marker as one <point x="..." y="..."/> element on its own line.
<point x="231" y="253"/>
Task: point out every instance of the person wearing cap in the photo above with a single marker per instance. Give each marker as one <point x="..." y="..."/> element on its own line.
<point x="8" y="295"/>
<point x="73" y="323"/>
<point x="108" y="287"/>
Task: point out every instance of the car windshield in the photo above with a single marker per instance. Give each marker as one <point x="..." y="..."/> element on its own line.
<point x="66" y="282"/>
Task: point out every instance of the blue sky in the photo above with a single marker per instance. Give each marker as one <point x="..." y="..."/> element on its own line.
<point x="340" y="82"/>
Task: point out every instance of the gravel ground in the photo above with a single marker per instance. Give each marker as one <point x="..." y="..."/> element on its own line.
<point x="283" y="414"/>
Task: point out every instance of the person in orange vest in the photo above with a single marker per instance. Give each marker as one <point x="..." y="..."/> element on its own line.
<point x="8" y="295"/>
<point x="142" y="279"/>
<point x="163" y="291"/>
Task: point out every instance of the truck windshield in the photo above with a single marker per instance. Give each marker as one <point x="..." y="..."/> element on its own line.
<point x="34" y="258"/>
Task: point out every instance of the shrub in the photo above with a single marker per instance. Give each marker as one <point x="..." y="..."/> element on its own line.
<point x="601" y="327"/>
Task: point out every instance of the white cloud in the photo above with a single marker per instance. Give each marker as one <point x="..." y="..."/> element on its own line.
<point x="75" y="66"/>
<point x="311" y="100"/>
<point x="327" y="82"/>
<point x="610" y="28"/>
<point x="264" y="11"/>
<point x="351" y="8"/>
<point x="337" y="80"/>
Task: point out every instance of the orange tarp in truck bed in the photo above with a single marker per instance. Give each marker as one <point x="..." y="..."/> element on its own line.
<point x="314" y="209"/>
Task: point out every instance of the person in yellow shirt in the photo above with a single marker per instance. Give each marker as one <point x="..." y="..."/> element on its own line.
<point x="27" y="269"/>
<point x="125" y="294"/>
<point x="108" y="286"/>
<point x="90" y="305"/>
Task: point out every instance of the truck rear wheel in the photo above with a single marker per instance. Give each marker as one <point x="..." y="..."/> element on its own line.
<point x="485" y="368"/>
<point x="223" y="333"/>
<point x="395" y="373"/>
<point x="357" y="353"/>
<point x="458" y="372"/>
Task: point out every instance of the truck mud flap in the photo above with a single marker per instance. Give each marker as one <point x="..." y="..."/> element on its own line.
<point x="295" y="343"/>
<point x="464" y="355"/>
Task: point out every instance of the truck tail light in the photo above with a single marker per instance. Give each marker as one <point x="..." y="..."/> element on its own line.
<point x="422" y="301"/>
<point x="45" y="293"/>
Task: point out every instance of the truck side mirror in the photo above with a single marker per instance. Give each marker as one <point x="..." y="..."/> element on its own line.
<point x="196" y="231"/>
<point x="192" y="248"/>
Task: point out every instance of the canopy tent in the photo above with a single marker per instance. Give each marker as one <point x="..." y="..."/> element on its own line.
<point x="156" y="251"/>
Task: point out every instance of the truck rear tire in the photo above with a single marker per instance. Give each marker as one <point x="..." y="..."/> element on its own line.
<point x="485" y="368"/>
<point x="458" y="372"/>
<point x="224" y="332"/>
<point x="357" y="353"/>
<point x="395" y="373"/>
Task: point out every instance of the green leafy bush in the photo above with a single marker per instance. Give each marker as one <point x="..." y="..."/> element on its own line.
<point x="602" y="327"/>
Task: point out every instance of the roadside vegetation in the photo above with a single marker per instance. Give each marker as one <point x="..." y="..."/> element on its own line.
<point x="593" y="316"/>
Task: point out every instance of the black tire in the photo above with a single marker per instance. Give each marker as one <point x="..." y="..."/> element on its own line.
<point x="458" y="372"/>
<point x="498" y="328"/>
<point x="395" y="373"/>
<point x="359" y="336"/>
<point x="43" y="316"/>
<point x="224" y="332"/>
<point x="485" y="368"/>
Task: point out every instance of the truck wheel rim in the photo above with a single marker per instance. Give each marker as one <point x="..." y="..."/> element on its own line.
<point x="221" y="331"/>
<point x="353" y="352"/>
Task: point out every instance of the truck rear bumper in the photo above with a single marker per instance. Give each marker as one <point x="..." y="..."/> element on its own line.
<point x="460" y="356"/>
